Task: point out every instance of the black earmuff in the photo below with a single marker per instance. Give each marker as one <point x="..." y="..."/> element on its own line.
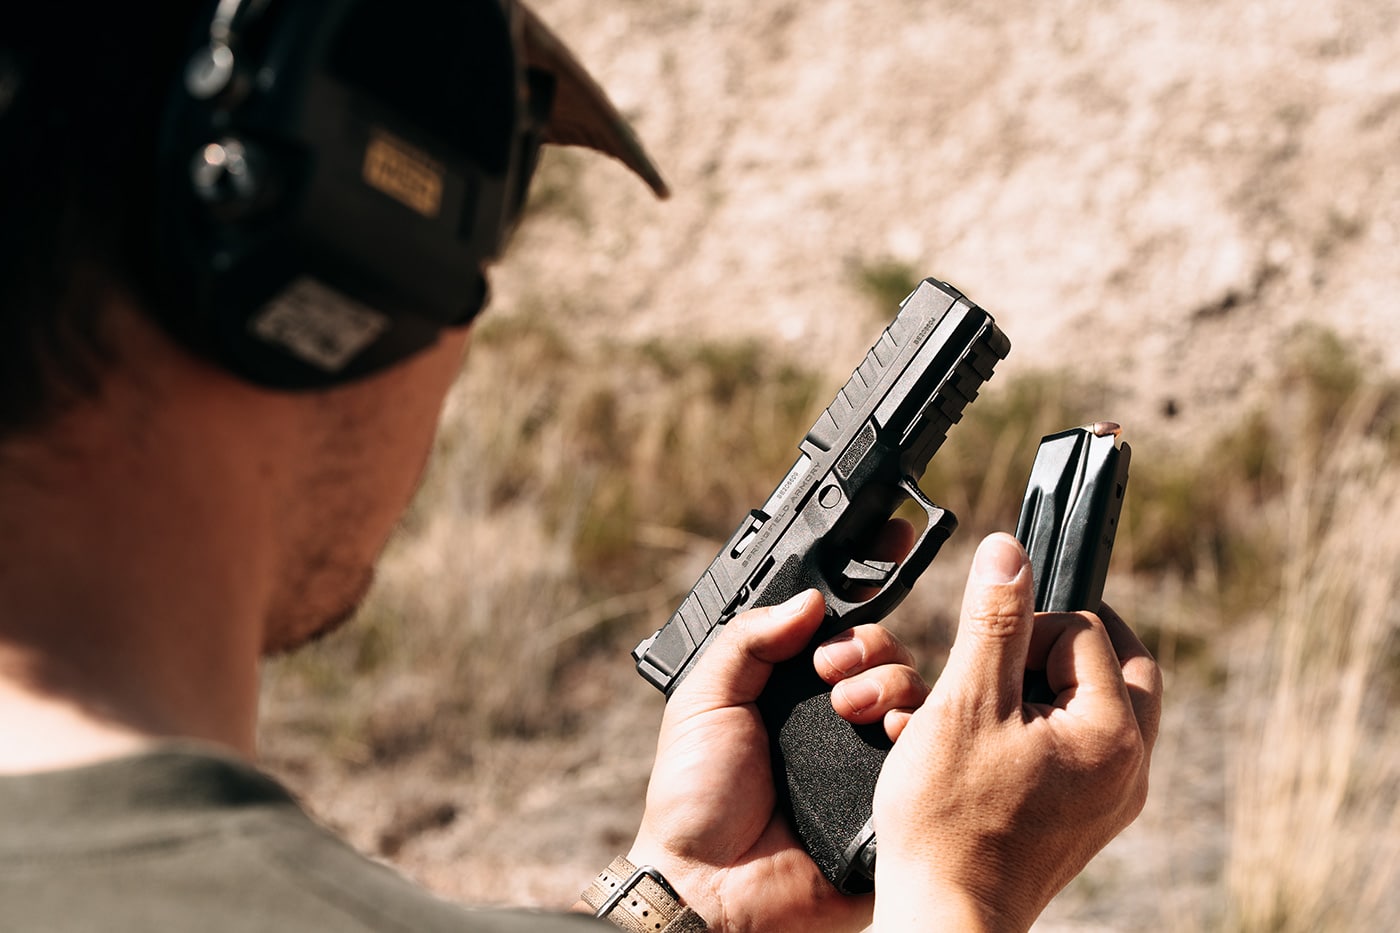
<point x="335" y="174"/>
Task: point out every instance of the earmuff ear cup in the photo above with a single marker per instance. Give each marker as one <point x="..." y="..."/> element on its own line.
<point x="333" y="177"/>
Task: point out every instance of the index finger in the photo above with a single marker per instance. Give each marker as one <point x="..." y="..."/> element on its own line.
<point x="1081" y="664"/>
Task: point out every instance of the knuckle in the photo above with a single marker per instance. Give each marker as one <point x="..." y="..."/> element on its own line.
<point x="1137" y="800"/>
<point x="960" y="717"/>
<point x="997" y="616"/>
<point x="914" y="683"/>
<point x="1114" y="754"/>
<point x="1123" y="738"/>
<point x="881" y="645"/>
<point x="1123" y="758"/>
<point x="1155" y="683"/>
<point x="901" y="686"/>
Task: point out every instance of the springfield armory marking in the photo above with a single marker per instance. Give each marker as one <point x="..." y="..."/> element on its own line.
<point x="859" y="462"/>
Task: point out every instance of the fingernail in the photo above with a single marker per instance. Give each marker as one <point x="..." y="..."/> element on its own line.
<point x="859" y="694"/>
<point x="999" y="559"/>
<point x="896" y="720"/>
<point x="843" y="653"/>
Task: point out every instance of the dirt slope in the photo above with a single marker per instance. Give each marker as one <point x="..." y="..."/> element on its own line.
<point x="1158" y="189"/>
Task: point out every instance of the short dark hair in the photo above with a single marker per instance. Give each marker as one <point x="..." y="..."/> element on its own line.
<point x="82" y="88"/>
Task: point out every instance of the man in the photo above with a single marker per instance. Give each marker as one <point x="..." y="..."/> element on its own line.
<point x="238" y="274"/>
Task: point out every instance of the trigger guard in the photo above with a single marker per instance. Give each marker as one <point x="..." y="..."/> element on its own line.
<point x="941" y="524"/>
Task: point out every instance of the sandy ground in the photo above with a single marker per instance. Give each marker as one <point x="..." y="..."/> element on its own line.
<point x="1160" y="191"/>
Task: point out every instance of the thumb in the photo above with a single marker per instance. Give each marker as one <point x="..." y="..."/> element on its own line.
<point x="735" y="668"/>
<point x="988" y="658"/>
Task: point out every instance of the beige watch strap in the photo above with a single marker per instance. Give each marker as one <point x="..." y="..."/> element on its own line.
<point x="642" y="901"/>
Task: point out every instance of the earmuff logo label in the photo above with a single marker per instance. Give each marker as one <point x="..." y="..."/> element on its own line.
<point x="403" y="173"/>
<point x="318" y="324"/>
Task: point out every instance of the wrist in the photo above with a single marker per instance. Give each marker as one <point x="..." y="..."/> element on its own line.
<point x="916" y="905"/>
<point x="640" y="899"/>
<point x="920" y="914"/>
<point x="693" y="882"/>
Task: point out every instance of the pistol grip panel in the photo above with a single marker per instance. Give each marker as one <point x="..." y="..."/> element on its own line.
<point x="824" y="769"/>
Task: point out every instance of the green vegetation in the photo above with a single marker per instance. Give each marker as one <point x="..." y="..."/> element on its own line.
<point x="886" y="281"/>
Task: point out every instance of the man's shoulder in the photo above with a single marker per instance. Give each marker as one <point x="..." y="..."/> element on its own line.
<point x="186" y="839"/>
<point x="321" y="874"/>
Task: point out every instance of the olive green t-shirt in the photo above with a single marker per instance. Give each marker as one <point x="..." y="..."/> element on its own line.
<point x="185" y="839"/>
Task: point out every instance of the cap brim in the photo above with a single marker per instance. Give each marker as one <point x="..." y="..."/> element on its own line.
<point x="581" y="114"/>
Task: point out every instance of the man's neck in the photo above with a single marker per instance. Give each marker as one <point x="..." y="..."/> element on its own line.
<point x="135" y="574"/>
<point x="118" y="627"/>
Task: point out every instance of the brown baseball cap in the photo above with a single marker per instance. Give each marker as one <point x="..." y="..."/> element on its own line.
<point x="582" y="114"/>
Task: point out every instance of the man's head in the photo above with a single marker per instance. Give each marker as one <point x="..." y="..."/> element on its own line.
<point x="243" y="243"/>
<point x="306" y="192"/>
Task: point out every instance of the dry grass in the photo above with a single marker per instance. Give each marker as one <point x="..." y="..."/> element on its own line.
<point x="1313" y="811"/>
<point x="1274" y="805"/>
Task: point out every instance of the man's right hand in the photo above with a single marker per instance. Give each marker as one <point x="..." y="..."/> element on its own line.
<point x="711" y="823"/>
<point x="987" y="806"/>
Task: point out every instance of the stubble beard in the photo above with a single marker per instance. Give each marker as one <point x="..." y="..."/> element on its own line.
<point x="345" y="509"/>
<point x="302" y="626"/>
<point x="330" y="597"/>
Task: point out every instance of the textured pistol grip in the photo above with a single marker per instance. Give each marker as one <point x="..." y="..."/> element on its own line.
<point x="824" y="769"/>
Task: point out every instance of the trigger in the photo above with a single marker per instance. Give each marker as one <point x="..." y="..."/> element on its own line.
<point x="868" y="572"/>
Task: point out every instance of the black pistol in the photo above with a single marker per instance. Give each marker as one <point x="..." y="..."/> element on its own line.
<point x="859" y="462"/>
